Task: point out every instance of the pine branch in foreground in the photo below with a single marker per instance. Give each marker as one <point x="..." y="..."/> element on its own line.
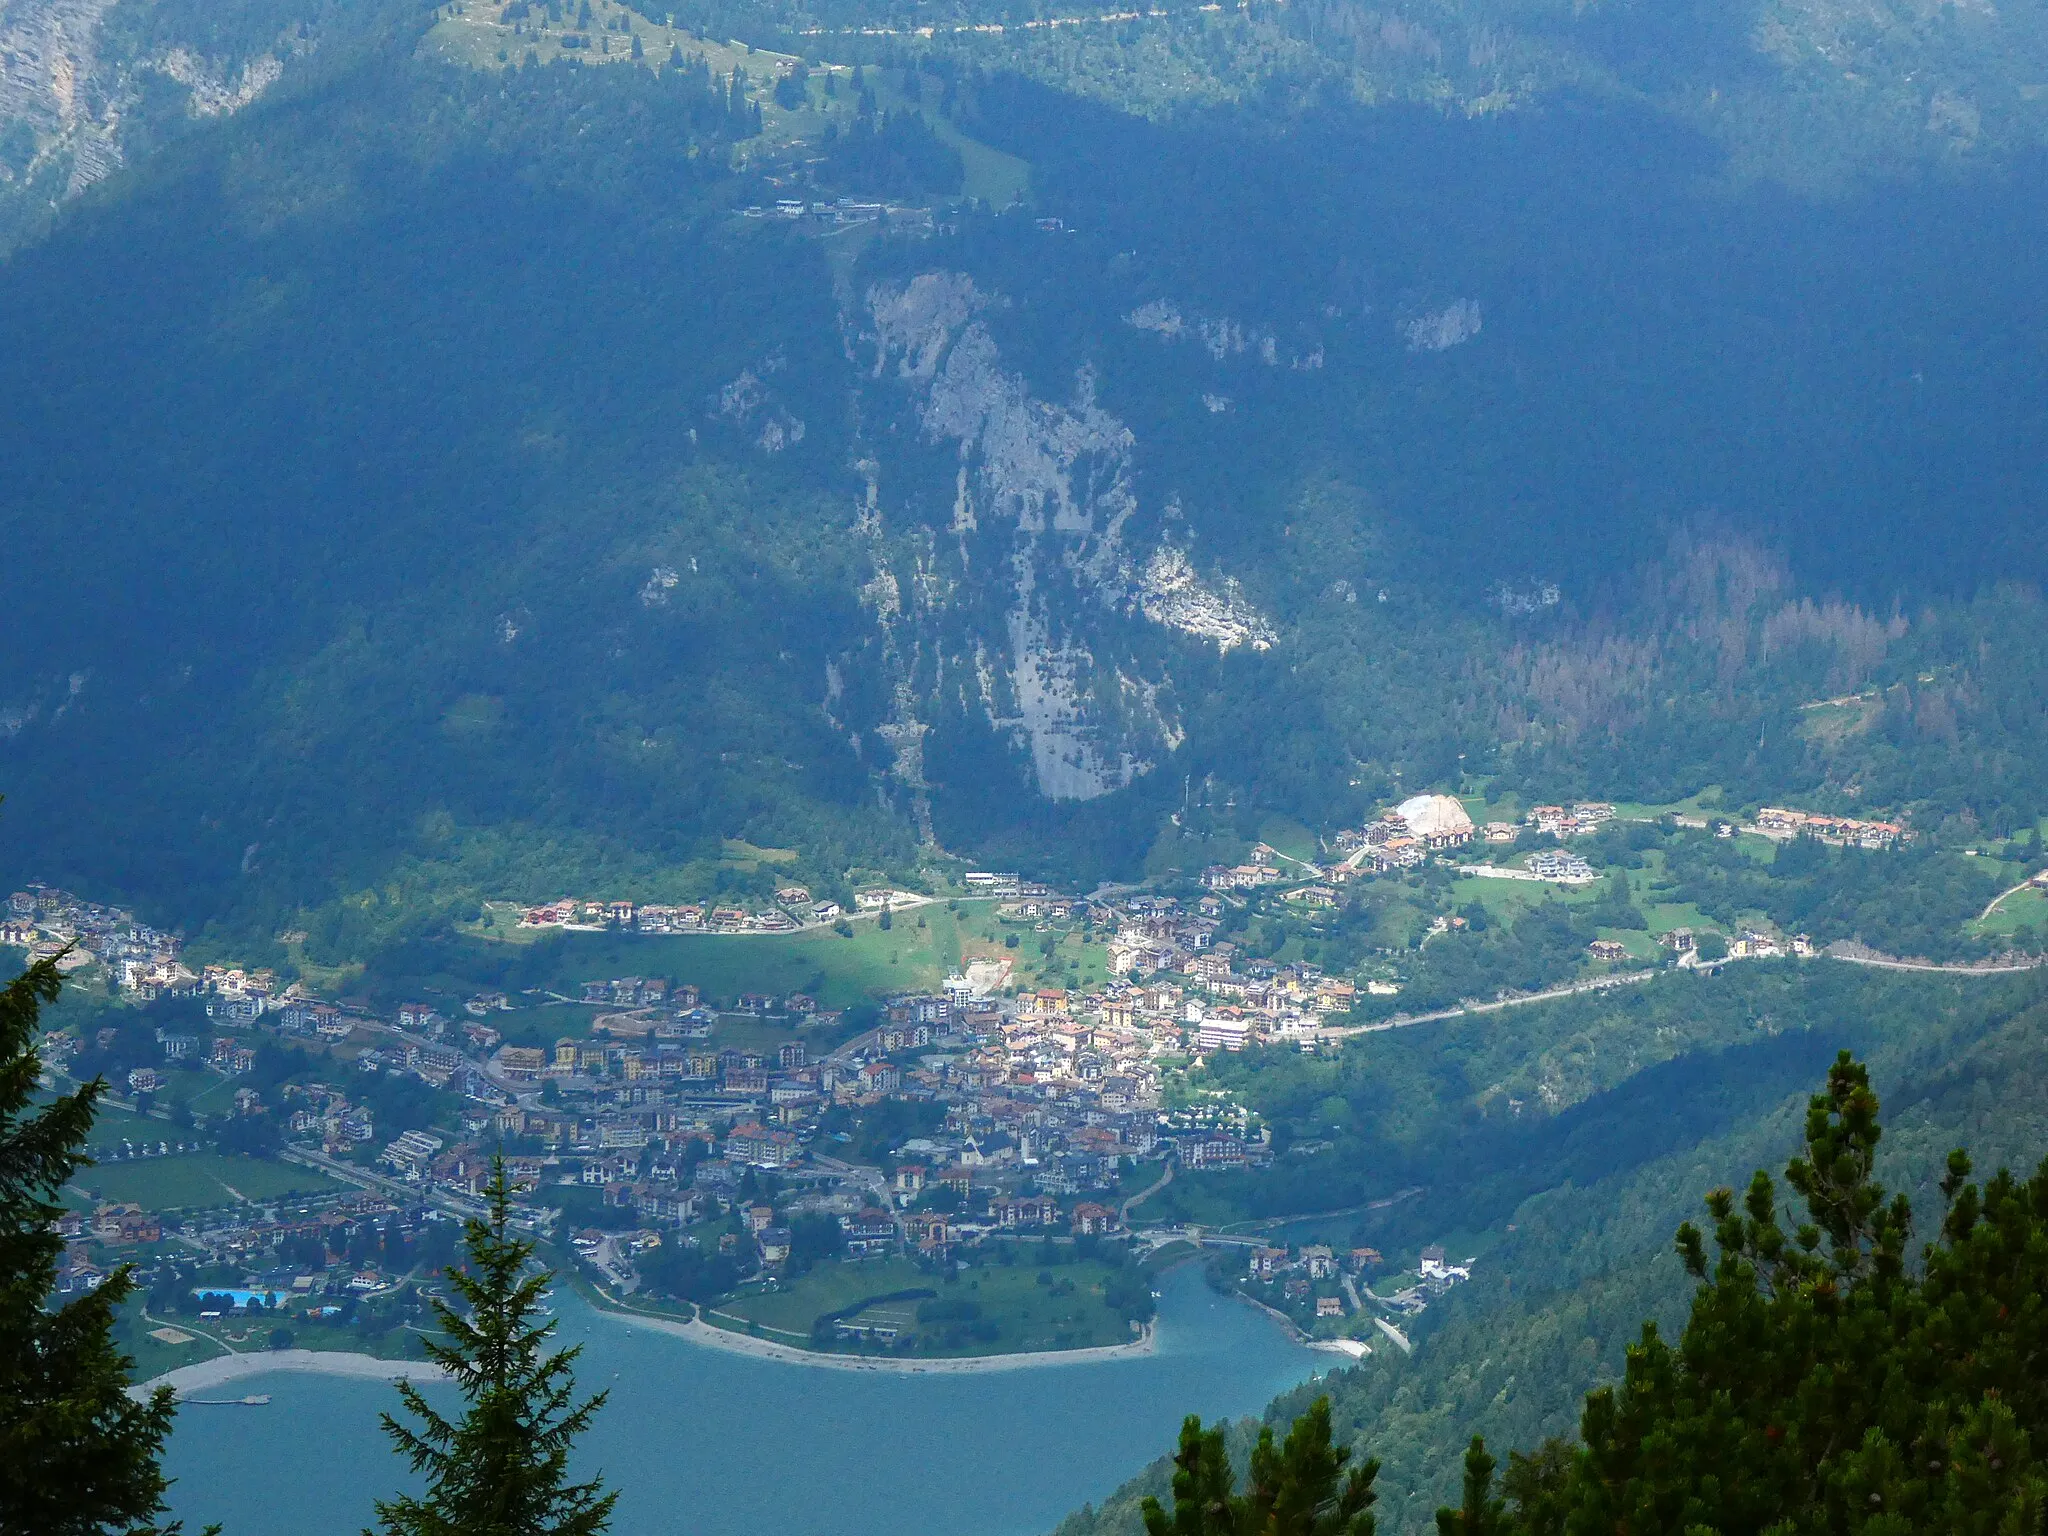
<point x="1821" y="1384"/>
<point x="1299" y="1487"/>
<point x="78" y="1455"/>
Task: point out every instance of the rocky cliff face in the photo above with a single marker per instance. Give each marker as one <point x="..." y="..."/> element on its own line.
<point x="56" y="114"/>
<point x="72" y="94"/>
<point x="1031" y="600"/>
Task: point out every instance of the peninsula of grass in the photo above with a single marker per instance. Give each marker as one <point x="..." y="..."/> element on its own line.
<point x="992" y="1309"/>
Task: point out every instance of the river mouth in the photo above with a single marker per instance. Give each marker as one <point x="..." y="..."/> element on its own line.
<point x="723" y="1443"/>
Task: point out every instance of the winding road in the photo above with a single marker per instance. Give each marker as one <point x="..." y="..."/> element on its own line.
<point x="1123" y="1212"/>
<point x="1631" y="978"/>
<point x="1995" y="902"/>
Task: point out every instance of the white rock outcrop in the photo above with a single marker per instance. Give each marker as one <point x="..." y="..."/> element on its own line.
<point x="1172" y="594"/>
<point x="1441" y="329"/>
<point x="1045" y="491"/>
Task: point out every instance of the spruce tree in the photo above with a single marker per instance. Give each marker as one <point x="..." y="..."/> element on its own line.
<point x="502" y="1469"/>
<point x="1296" y="1488"/>
<point x="78" y="1455"/>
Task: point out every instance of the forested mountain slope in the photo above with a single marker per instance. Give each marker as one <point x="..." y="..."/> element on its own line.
<point x="1633" y="1108"/>
<point x="427" y="479"/>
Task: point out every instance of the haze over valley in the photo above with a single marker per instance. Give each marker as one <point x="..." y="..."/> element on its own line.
<point x="1001" y="722"/>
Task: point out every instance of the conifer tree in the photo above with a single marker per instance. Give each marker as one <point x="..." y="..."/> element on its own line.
<point x="1297" y="1488"/>
<point x="1822" y="1384"/>
<point x="78" y="1455"/>
<point x="502" y="1469"/>
<point x="1481" y="1514"/>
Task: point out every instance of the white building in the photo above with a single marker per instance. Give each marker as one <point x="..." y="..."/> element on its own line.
<point x="1224" y="1034"/>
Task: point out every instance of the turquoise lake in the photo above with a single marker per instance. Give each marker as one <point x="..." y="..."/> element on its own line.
<point x="710" y="1443"/>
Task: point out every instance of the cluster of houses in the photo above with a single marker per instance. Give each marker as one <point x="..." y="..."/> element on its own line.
<point x="1177" y="982"/>
<point x="793" y="908"/>
<point x="46" y="922"/>
<point x="323" y="1114"/>
<point x="1046" y="1094"/>
<point x="843" y="211"/>
<point x="1560" y="821"/>
<point x="1314" y="1282"/>
<point x="1560" y="866"/>
<point x="1408" y="835"/>
<point x="1403" y="838"/>
<point x="1843" y="831"/>
<point x="238" y="1236"/>
<point x="1312" y="1279"/>
<point x="82" y="1265"/>
<point x="142" y="962"/>
<point x="1748" y="944"/>
<point x="1434" y="1274"/>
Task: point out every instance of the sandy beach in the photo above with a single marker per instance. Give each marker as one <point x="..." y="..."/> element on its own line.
<point x="745" y="1344"/>
<point x="219" y="1371"/>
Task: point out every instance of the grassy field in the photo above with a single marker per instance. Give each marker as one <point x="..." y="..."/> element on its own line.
<point x="203" y="1341"/>
<point x="995" y="177"/>
<point x="1485" y="806"/>
<point x="1032" y="1308"/>
<point x="1290" y="838"/>
<point x="789" y="1312"/>
<point x="1506" y="900"/>
<point x="2027" y="908"/>
<point x="1141" y="1176"/>
<point x="834" y="969"/>
<point x="1212" y="1201"/>
<point x="1706" y="803"/>
<point x="1640" y="945"/>
<point x="914" y="953"/>
<point x="544" y="1025"/>
<point x="1830" y="721"/>
<point x="475" y="38"/>
<point x="193" y="1179"/>
<point x="153" y="1356"/>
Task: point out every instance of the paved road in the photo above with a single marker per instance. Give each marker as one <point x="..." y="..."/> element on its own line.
<point x="1267" y="1223"/>
<point x="1998" y="900"/>
<point x="1631" y="978"/>
<point x="616" y="1266"/>
<point x="1884" y="964"/>
<point x="877" y="1185"/>
<point x="362" y="1178"/>
<point x="1123" y="1212"/>
<point x="1402" y="1021"/>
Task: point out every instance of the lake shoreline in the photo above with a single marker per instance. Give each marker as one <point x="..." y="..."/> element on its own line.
<point x="205" y="1375"/>
<point x="697" y="1331"/>
<point x="202" y="1375"/>
<point x="1032" y="1444"/>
